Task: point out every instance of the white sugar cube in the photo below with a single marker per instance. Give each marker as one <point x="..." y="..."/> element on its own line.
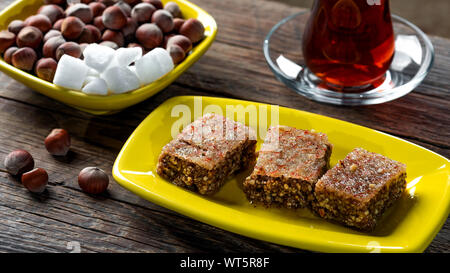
<point x="93" y="72"/>
<point x="98" y="57"/>
<point x="126" y="56"/>
<point x="70" y="73"/>
<point x="164" y="59"/>
<point x="120" y="79"/>
<point x="153" y="65"/>
<point x="89" y="79"/>
<point x="96" y="87"/>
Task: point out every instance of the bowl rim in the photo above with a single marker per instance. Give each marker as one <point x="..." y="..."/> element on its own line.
<point x="144" y="91"/>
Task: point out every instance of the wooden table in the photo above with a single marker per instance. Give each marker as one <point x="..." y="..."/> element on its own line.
<point x="119" y="221"/>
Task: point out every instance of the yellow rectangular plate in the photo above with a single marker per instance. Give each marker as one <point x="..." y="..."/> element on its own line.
<point x="409" y="226"/>
<point x="94" y="104"/>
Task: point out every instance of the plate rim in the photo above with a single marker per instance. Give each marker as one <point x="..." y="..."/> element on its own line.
<point x="417" y="245"/>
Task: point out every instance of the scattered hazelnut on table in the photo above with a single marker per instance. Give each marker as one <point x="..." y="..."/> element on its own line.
<point x="35" y="180"/>
<point x="93" y="180"/>
<point x="58" y="142"/>
<point x="46" y="68"/>
<point x="18" y="162"/>
<point x="29" y="37"/>
<point x="114" y="18"/>
<point x="24" y="58"/>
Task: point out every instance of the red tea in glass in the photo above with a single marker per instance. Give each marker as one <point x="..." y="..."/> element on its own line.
<point x="349" y="43"/>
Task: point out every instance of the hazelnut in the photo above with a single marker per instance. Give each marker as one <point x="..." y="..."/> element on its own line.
<point x="69" y="48"/>
<point x="142" y="12"/>
<point x="53" y="12"/>
<point x="24" y="58"/>
<point x="156" y="3"/>
<point x="98" y="22"/>
<point x="173" y="8"/>
<point x="58" y="142"/>
<point x="46" y="68"/>
<point x="97" y="8"/>
<point x="114" y="18"/>
<point x="132" y="3"/>
<point x="113" y="36"/>
<point x="110" y="44"/>
<point x="107" y="2"/>
<point x="90" y="35"/>
<point x="35" y="180"/>
<point x="49" y="48"/>
<point x="166" y="38"/>
<point x="129" y="29"/>
<point x="72" y="27"/>
<point x="163" y="19"/>
<point x="193" y="29"/>
<point x="56" y="2"/>
<point x="29" y="37"/>
<point x="130" y="45"/>
<point x="19" y="162"/>
<point x="177" y="23"/>
<point x="15" y="26"/>
<point x="93" y="180"/>
<point x="177" y="53"/>
<point x="52" y="33"/>
<point x="7" y="39"/>
<point x="40" y="21"/>
<point x="125" y="7"/>
<point x="8" y="54"/>
<point x="182" y="41"/>
<point x="57" y="25"/>
<point x="149" y="35"/>
<point x="81" y="11"/>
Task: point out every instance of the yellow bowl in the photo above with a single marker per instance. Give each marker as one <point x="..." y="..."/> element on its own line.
<point x="409" y="226"/>
<point x="105" y="104"/>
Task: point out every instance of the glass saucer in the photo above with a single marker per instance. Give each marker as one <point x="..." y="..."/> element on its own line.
<point x="413" y="59"/>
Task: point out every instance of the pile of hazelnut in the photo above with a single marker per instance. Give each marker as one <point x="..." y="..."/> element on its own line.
<point x="20" y="164"/>
<point x="67" y="27"/>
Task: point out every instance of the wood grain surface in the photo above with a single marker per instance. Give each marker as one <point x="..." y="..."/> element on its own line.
<point x="119" y="221"/>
